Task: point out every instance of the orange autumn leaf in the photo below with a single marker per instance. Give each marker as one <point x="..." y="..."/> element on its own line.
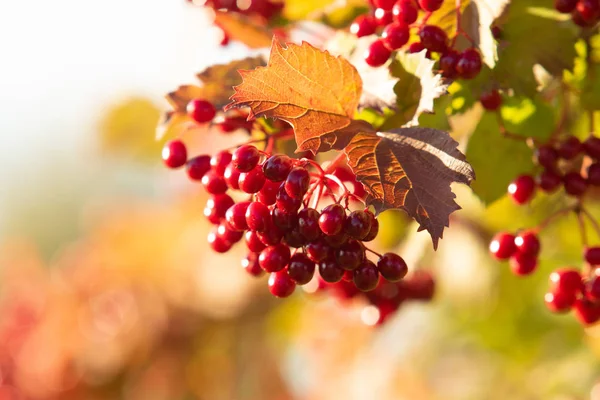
<point x="251" y="31"/>
<point x="312" y="90"/>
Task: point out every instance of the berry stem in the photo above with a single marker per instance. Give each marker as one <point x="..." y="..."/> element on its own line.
<point x="334" y="163"/>
<point x="564" y="114"/>
<point x="555" y="215"/>
<point x="509" y="135"/>
<point x="372" y="251"/>
<point x="582" y="229"/>
<point x="592" y="122"/>
<point x="592" y="220"/>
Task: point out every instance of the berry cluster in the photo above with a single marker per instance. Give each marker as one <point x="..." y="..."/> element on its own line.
<point x="285" y="233"/>
<point x="583" y="12"/>
<point x="392" y="20"/>
<point x="522" y="250"/>
<point x="561" y="166"/>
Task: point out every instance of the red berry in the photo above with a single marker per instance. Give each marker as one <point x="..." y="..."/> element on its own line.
<point x="201" y="111"/>
<point x="332" y="219"/>
<point x="592" y="289"/>
<point x="252" y="181"/>
<point x="296" y="183"/>
<point x="366" y="276"/>
<point x="404" y="11"/>
<point x="565" y="6"/>
<point x="468" y="64"/>
<point x="232" y="177"/>
<point x="374" y="227"/>
<point x="566" y="280"/>
<point x="276" y="168"/>
<point x="174" y="154"/>
<point x="229" y="235"/>
<point x="357" y="225"/>
<point x="433" y="38"/>
<point x="549" y="181"/>
<point x="377" y="54"/>
<point x="491" y="100"/>
<point x="268" y="193"/>
<point x="271" y="235"/>
<point x="578" y="19"/>
<point x="559" y="302"/>
<point x="218" y="244"/>
<point x="589" y="9"/>
<point x="586" y="312"/>
<point x="592" y="147"/>
<point x="383" y="17"/>
<point x="253" y="242"/>
<point x="575" y="184"/>
<point x="416" y="47"/>
<point x="250" y="264"/>
<point x="198" y="166"/>
<point x="350" y="255"/>
<point x="392" y="267"/>
<point x="245" y="158"/>
<point x="431" y="5"/>
<point x="286" y="202"/>
<point x="308" y="223"/>
<point x="294" y="239"/>
<point x="503" y="246"/>
<point x="592" y="255"/>
<point x="337" y="240"/>
<point x="214" y="183"/>
<point x="363" y="25"/>
<point x="385" y="4"/>
<point x="236" y="216"/>
<point x="284" y="220"/>
<point x="395" y="36"/>
<point x="522" y="189"/>
<point x="527" y="243"/>
<point x="318" y="250"/>
<point x="570" y="148"/>
<point x="546" y="156"/>
<point x="330" y="271"/>
<point x="448" y="62"/>
<point x="301" y="269"/>
<point x="593" y="173"/>
<point x="216" y="207"/>
<point x="258" y="216"/>
<point x="274" y="258"/>
<point x="523" y="264"/>
<point x="281" y="285"/>
<point x="220" y="161"/>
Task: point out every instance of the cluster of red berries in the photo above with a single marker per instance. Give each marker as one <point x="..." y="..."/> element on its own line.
<point x="522" y="250"/>
<point x="583" y="12"/>
<point x="560" y="167"/>
<point x="393" y="19"/>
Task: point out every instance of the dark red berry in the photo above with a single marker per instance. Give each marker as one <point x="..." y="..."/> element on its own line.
<point x="236" y="216"/>
<point x="502" y="246"/>
<point x="214" y="183"/>
<point x="174" y="154"/>
<point x="366" y="276"/>
<point x="318" y="250"/>
<point x="575" y="184"/>
<point x="301" y="268"/>
<point x="281" y="285"/>
<point x="228" y="234"/>
<point x="218" y="244"/>
<point x="592" y="289"/>
<point x="546" y="156"/>
<point x="258" y="216"/>
<point x="332" y="219"/>
<point x="385" y="4"/>
<point x="308" y="223"/>
<point x="448" y="62"/>
<point x="433" y="38"/>
<point x="566" y="280"/>
<point x="245" y="158"/>
<point x="374" y="227"/>
<point x="578" y="19"/>
<point x="274" y="258"/>
<point x="330" y="271"/>
<point x="565" y="6"/>
<point x="589" y="9"/>
<point x="271" y="235"/>
<point x="296" y="183"/>
<point x="593" y="174"/>
<point x="528" y="243"/>
<point x="284" y="220"/>
<point x="549" y="181"/>
<point x="276" y="168"/>
<point x="570" y="148"/>
<point x="250" y="264"/>
<point x="294" y="239"/>
<point x="586" y="312"/>
<point x="591" y="146"/>
<point x="350" y="254"/>
<point x="252" y="181"/>
<point x="592" y="255"/>
<point x="431" y="5"/>
<point x="522" y="189"/>
<point x="336" y="240"/>
<point x="377" y="54"/>
<point x="232" y="177"/>
<point x="253" y="242"/>
<point x="491" y="100"/>
<point x="392" y="267"/>
<point x="286" y="202"/>
<point x="416" y="47"/>
<point x="363" y="25"/>
<point x="357" y="225"/>
<point x="395" y="35"/>
<point x="405" y="11"/>
<point x="383" y="17"/>
<point x="523" y="264"/>
<point x="201" y="111"/>
<point x="216" y="207"/>
<point x="220" y="161"/>
<point x="197" y="167"/>
<point x="468" y="64"/>
<point x="268" y="193"/>
<point x="559" y="302"/>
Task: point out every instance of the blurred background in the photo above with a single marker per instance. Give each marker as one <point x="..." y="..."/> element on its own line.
<point x="108" y="289"/>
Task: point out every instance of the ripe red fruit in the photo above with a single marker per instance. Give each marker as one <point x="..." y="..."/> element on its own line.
<point x="592" y="255"/>
<point x="252" y="181"/>
<point x="336" y="240"/>
<point x="363" y="25"/>
<point x="383" y="17"/>
<point x="593" y="173"/>
<point x="281" y="285"/>
<point x="578" y="19"/>
<point x="431" y="5"/>
<point x="274" y="258"/>
<point x="404" y="11"/>
<point x="592" y="289"/>
<point x="216" y="207"/>
<point x="214" y="183"/>
<point x="366" y="276"/>
<point x="268" y="193"/>
<point x="448" y="62"/>
<point x="392" y="267"/>
<point x="491" y="100"/>
<point x="416" y="47"/>
<point x="276" y="168"/>
<point x="523" y="264"/>
<point x="332" y="219"/>
<point x="245" y="158"/>
<point x="174" y="154"/>
<point x="308" y="223"/>
<point x="566" y="280"/>
<point x="198" y="166"/>
<point x="271" y="235"/>
<point x="589" y="9"/>
<point x="377" y="54"/>
<point x="433" y="38"/>
<point x="286" y="202"/>
<point x="253" y="242"/>
<point x="469" y="64"/>
<point x="549" y="181"/>
<point x="250" y="264"/>
<point x="201" y="110"/>
<point x="357" y="225"/>
<point x="232" y="177"/>
<point x="546" y="156"/>
<point x="385" y="4"/>
<point x="236" y="216"/>
<point x="527" y="243"/>
<point x="565" y="6"/>
<point x="575" y="184"/>
<point x="220" y="161"/>
<point x="330" y="271"/>
<point x="294" y="239"/>
<point x="318" y="250"/>
<point x="502" y="246"/>
<point x="218" y="244"/>
<point x="374" y="227"/>
<point x="522" y="189"/>
<point x="591" y="146"/>
<point x="301" y="269"/>
<point x="284" y="220"/>
<point x="229" y="235"/>
<point x="559" y="302"/>
<point x="350" y="255"/>
<point x="258" y="216"/>
<point x="586" y="312"/>
<point x="296" y="183"/>
<point x="570" y="148"/>
<point x="395" y="35"/>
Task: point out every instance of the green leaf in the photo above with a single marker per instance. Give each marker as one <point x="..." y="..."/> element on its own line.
<point x="586" y="73"/>
<point x="495" y="159"/>
<point x="465" y="93"/>
<point x="527" y="117"/>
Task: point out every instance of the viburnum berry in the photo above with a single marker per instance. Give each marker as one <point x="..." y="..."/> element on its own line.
<point x="245" y="158"/>
<point x="252" y="181"/>
<point x="250" y="264"/>
<point x="296" y="183"/>
<point x="308" y="223"/>
<point x="232" y="177"/>
<point x="559" y="302"/>
<point x="416" y="47"/>
<point x="229" y="235"/>
<point x="547" y="156"/>
<point x="198" y="166"/>
<point x="570" y="148"/>
<point x="350" y="254"/>
<point x="284" y="220"/>
<point x="236" y="216"/>
<point x="592" y="288"/>
<point x="566" y="280"/>
<point x="491" y="100"/>
<point x="336" y="240"/>
<point x="392" y="267"/>
<point x="271" y="235"/>
<point x="294" y="239"/>
<point x="593" y="174"/>
<point x="332" y="219"/>
<point x="268" y="193"/>
<point x="385" y="4"/>
<point x="431" y="5"/>
<point x="502" y="246"/>
<point x="468" y="64"/>
<point x="201" y="111"/>
<point x="274" y="258"/>
<point x="174" y="154"/>
<point x="366" y="276"/>
<point x="565" y="6"/>
<point x="588" y="9"/>
<point x="591" y="146"/>
<point x="357" y="225"/>
<point x="218" y="244"/>
<point x="395" y="35"/>
<point x="318" y="250"/>
<point x="330" y="271"/>
<point x="220" y="161"/>
<point x="549" y="181"/>
<point x="374" y="227"/>
<point x="592" y="255"/>
<point x="575" y="184"/>
<point x="433" y="38"/>
<point x="276" y="168"/>
<point x="523" y="264"/>
<point x="301" y="268"/>
<point x="405" y="11"/>
<point x="281" y="285"/>
<point x="363" y="25"/>
<point x="579" y="20"/>
<point x="285" y="202"/>
<point x="383" y="17"/>
<point x="216" y="207"/>
<point x="258" y="216"/>
<point x="522" y="189"/>
<point x="214" y="183"/>
<point x="253" y="242"/>
<point x="528" y="243"/>
<point x="377" y="54"/>
<point x="586" y="311"/>
<point x="448" y="62"/>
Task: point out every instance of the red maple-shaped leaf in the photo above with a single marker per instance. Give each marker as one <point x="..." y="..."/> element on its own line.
<point x="411" y="169"/>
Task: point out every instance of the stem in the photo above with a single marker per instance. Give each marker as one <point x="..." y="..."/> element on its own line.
<point x="508" y="134"/>
<point x="554" y="216"/>
<point x="592" y="220"/>
<point x="582" y="229"/>
<point x="372" y="251"/>
<point x="334" y="163"/>
<point x="592" y="122"/>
